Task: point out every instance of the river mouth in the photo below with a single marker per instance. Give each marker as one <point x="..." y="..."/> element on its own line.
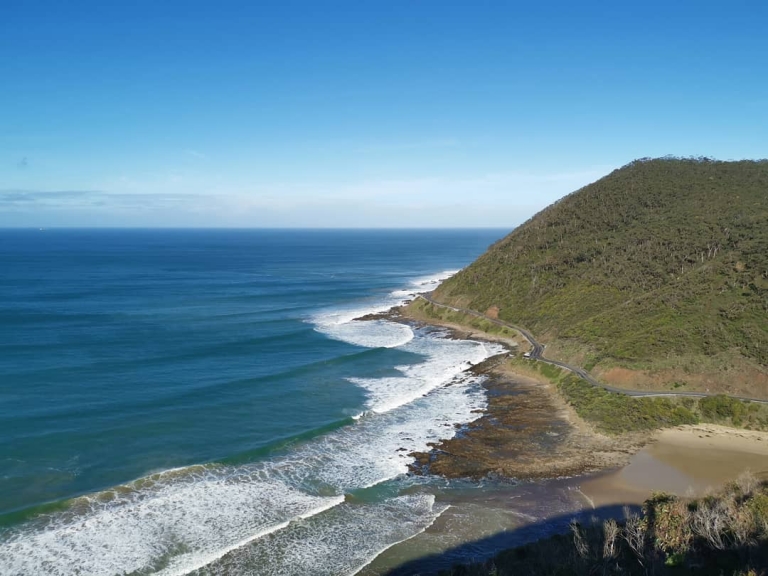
<point x="486" y="516"/>
<point x="480" y="520"/>
<point x="529" y="465"/>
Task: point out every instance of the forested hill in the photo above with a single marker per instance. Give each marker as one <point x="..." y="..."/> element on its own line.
<point x="660" y="259"/>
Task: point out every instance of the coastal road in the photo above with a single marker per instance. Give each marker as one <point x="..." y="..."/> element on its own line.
<point x="537" y="353"/>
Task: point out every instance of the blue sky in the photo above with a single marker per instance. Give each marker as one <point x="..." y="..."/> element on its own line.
<point x="359" y="113"/>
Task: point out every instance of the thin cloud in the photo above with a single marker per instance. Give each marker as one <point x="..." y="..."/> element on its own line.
<point x="492" y="199"/>
<point x="89" y="199"/>
<point x="23" y="163"/>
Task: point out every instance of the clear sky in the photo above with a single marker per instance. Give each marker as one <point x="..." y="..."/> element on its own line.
<point x="362" y="113"/>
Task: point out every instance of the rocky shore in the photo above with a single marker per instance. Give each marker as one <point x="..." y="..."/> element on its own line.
<point x="532" y="463"/>
<point x="527" y="432"/>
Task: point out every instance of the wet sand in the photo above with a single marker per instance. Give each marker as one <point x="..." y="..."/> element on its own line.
<point x="480" y="520"/>
<point x="484" y="517"/>
<point x="508" y="478"/>
<point x="555" y="465"/>
<point x="689" y="460"/>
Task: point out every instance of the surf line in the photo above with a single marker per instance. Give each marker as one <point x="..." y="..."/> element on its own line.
<point x="200" y="562"/>
<point x="387" y="547"/>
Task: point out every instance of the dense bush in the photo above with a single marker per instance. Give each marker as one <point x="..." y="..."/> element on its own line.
<point x="617" y="413"/>
<point x="661" y="257"/>
<point x="721" y="406"/>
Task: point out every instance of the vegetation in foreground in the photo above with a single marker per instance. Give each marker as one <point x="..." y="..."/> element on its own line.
<point x="618" y="413"/>
<point x="661" y="259"/>
<point x="725" y="534"/>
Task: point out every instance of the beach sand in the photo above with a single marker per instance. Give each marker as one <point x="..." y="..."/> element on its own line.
<point x="688" y="460"/>
<point x="566" y="469"/>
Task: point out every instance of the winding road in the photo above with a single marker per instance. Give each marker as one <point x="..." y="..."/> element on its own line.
<point x="537" y="353"/>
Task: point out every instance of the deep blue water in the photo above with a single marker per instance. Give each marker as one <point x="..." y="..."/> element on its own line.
<point x="129" y="357"/>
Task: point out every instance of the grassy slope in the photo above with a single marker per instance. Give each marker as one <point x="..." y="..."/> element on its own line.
<point x="617" y="413"/>
<point x="661" y="258"/>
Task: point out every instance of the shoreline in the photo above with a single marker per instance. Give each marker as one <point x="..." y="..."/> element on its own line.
<point x="529" y="435"/>
<point x="527" y="432"/>
<point x="587" y="452"/>
<point x="686" y="461"/>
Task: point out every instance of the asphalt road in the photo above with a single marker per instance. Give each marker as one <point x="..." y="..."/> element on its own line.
<point x="537" y="353"/>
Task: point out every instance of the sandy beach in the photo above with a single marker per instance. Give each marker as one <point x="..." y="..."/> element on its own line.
<point x="686" y="461"/>
<point x="559" y="466"/>
<point x="689" y="460"/>
<point x="530" y="432"/>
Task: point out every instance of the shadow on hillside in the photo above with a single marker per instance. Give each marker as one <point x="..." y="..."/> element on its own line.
<point x="487" y="548"/>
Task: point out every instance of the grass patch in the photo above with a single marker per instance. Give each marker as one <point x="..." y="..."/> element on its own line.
<point x="609" y="412"/>
<point x="615" y="413"/>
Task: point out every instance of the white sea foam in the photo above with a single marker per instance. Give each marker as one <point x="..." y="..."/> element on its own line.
<point x="172" y="527"/>
<point x="340" y="324"/>
<point x="445" y="361"/>
<point x="178" y="521"/>
<point x="376" y="448"/>
<point x="422" y="285"/>
<point x="369" y="334"/>
<point x="432" y="281"/>
<point x="340" y="542"/>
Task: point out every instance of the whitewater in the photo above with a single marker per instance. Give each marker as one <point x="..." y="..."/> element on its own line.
<point x="325" y="505"/>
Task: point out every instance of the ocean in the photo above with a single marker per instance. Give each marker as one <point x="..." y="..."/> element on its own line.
<point x="174" y="401"/>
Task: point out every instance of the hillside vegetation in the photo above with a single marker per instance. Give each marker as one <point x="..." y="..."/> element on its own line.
<point x="612" y="413"/>
<point x="658" y="267"/>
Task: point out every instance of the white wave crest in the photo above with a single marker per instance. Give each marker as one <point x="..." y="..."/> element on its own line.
<point x="445" y="361"/>
<point x="181" y="520"/>
<point x="340" y="542"/>
<point x="368" y="334"/>
<point x="178" y="521"/>
<point x="340" y="323"/>
<point x="172" y="528"/>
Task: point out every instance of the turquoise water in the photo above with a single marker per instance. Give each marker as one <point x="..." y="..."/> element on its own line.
<point x="171" y="400"/>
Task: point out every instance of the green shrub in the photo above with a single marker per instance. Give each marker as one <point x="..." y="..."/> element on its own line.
<point x="660" y="258"/>
<point x="617" y="413"/>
